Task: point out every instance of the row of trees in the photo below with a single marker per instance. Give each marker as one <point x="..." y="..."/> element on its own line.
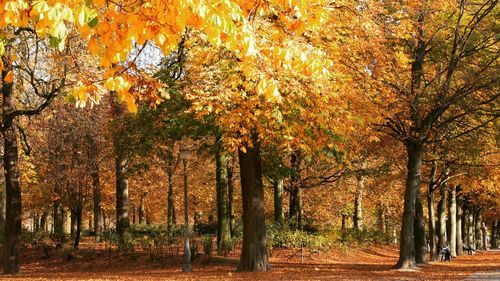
<point x="303" y="94"/>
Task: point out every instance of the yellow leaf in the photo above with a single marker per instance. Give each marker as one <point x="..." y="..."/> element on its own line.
<point x="9" y="78"/>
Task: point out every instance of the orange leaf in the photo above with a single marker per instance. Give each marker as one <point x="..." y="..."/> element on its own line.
<point x="9" y="78"/>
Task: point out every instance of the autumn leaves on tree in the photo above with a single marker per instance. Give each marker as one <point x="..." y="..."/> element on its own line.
<point x="299" y="95"/>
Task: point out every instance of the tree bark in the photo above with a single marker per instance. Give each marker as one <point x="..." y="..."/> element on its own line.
<point x="459" y="227"/>
<point x="470" y="228"/>
<point x="483" y="236"/>
<point x="78" y="227"/>
<point x="122" y="218"/>
<point x="453" y="221"/>
<point x="73" y="225"/>
<point x="478" y="233"/>
<point x="419" y="229"/>
<point x="278" y="201"/>
<point x="442" y="218"/>
<point x="358" y="202"/>
<point x="3" y="204"/>
<point x="12" y="240"/>
<point x="43" y="220"/>
<point x="382" y="226"/>
<point x="295" y="192"/>
<point x="170" y="203"/>
<point x="494" y="234"/>
<point x="223" y="224"/>
<point x="430" y="209"/>
<point x="142" y="209"/>
<point x="254" y="248"/>
<point x="407" y="242"/>
<point x="230" y="195"/>
<point x="96" y="190"/>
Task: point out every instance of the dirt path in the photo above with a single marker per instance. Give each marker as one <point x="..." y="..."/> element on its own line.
<point x="374" y="263"/>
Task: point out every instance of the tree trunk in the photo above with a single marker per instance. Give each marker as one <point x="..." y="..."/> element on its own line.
<point x="494" y="234"/>
<point x="430" y="209"/>
<point x="223" y="226"/>
<point x="278" y="201"/>
<point x="97" y="205"/>
<point x="170" y="203"/>
<point x="254" y="250"/>
<point x="470" y="231"/>
<point x="230" y="194"/>
<point x="73" y="224"/>
<point x="442" y="218"/>
<point x="484" y="233"/>
<point x="78" y="227"/>
<point x="358" y="202"/>
<point x="459" y="228"/>
<point x="122" y="218"/>
<point x="419" y="229"/>
<point x="43" y="220"/>
<point x="12" y="239"/>
<point x="295" y="192"/>
<point x="477" y="232"/>
<point x="382" y="226"/>
<point x="407" y="242"/>
<point x="3" y="204"/>
<point x="453" y="221"/>
<point x="142" y="209"/>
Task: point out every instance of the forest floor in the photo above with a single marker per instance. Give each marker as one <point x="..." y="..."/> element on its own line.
<point x="94" y="262"/>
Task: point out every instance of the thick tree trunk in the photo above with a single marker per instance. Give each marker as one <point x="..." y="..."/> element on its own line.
<point x="223" y="224"/>
<point x="494" y="234"/>
<point x="407" y="242"/>
<point x="122" y="218"/>
<point x="230" y="195"/>
<point x="419" y="229"/>
<point x="295" y="192"/>
<point x="442" y="218"/>
<point x="459" y="227"/>
<point x="254" y="249"/>
<point x="358" y="202"/>
<point x="452" y="211"/>
<point x="430" y="209"/>
<point x="12" y="240"/>
<point x="170" y="203"/>
<point x="278" y="201"/>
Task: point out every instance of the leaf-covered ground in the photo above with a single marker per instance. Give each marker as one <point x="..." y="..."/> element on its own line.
<point x="372" y="263"/>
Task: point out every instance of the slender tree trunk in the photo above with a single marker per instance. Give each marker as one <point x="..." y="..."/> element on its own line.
<point x="478" y="233"/>
<point x="122" y="218"/>
<point x="295" y="192"/>
<point x="223" y="224"/>
<point x="430" y="209"/>
<point x="494" y="234"/>
<point x="73" y="224"/>
<point x="470" y="231"/>
<point x="459" y="227"/>
<point x="43" y="220"/>
<point x="254" y="249"/>
<point x="78" y="227"/>
<point x="484" y="233"/>
<point x="358" y="202"/>
<point x="442" y="218"/>
<point x="419" y="228"/>
<point x="381" y="222"/>
<point x="3" y="204"/>
<point x="230" y="194"/>
<point x="97" y="204"/>
<point x="142" y="209"/>
<point x="170" y="202"/>
<point x="453" y="221"/>
<point x="407" y="242"/>
<point x="12" y="239"/>
<point x="278" y="201"/>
